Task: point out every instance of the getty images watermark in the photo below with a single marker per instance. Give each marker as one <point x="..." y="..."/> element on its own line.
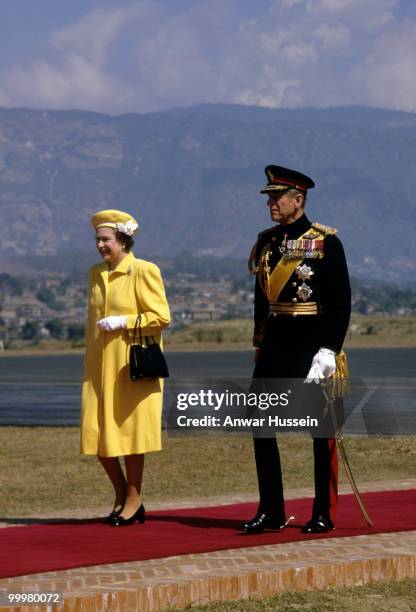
<point x="265" y="407"/>
<point x="239" y="410"/>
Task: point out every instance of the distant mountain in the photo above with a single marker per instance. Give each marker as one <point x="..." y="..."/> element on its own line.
<point x="192" y="177"/>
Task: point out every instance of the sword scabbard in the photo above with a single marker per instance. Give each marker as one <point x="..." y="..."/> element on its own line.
<point x="340" y="445"/>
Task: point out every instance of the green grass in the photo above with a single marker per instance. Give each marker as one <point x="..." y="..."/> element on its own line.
<point x="374" y="597"/>
<point x="41" y="469"/>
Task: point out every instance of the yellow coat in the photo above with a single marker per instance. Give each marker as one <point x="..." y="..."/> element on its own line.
<point x="120" y="416"/>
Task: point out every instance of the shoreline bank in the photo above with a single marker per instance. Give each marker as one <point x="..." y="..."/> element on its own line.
<point x="206" y="347"/>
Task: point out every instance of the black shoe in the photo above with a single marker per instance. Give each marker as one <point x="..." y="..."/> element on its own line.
<point x="261" y="522"/>
<point x="120" y="521"/>
<point x="112" y="516"/>
<point x="319" y="524"/>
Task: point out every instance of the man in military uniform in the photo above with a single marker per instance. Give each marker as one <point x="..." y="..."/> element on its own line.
<point x="302" y="310"/>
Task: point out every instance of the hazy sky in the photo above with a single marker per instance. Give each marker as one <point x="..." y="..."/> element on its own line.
<point x="147" y="55"/>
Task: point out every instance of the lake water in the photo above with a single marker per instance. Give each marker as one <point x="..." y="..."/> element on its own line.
<point x="45" y="389"/>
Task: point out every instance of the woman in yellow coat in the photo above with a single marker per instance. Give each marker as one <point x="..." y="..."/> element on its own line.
<point x="121" y="417"/>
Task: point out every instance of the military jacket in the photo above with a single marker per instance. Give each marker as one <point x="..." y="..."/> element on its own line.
<point x="320" y="276"/>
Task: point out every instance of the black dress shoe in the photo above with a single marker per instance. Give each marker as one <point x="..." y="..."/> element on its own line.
<point x="319" y="524"/>
<point x="261" y="522"/>
<point x="120" y="521"/>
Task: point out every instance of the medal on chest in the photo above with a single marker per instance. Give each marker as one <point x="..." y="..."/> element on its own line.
<point x="309" y="246"/>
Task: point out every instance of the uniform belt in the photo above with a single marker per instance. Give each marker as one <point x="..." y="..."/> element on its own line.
<point x="293" y="309"/>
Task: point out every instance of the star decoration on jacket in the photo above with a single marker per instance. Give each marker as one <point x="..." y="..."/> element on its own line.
<point x="304" y="272"/>
<point x="304" y="292"/>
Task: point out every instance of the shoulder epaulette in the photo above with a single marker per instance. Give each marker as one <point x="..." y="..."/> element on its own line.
<point x="324" y="229"/>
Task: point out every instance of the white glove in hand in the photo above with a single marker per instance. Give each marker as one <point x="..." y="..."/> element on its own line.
<point x="112" y="323"/>
<point x="323" y="366"/>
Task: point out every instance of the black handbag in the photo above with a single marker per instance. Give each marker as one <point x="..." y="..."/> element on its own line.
<point x="146" y="361"/>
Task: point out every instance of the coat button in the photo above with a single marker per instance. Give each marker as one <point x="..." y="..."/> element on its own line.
<point x="294" y="284"/>
<point x="294" y="300"/>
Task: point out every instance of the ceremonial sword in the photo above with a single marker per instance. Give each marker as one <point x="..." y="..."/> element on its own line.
<point x="340" y="445"/>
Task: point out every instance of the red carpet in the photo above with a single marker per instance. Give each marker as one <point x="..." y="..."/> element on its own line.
<point x="69" y="544"/>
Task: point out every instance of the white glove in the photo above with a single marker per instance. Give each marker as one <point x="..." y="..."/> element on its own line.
<point x="112" y="323"/>
<point x="323" y="366"/>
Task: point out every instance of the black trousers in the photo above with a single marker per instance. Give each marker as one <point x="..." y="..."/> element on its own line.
<point x="269" y="475"/>
<point x="288" y="363"/>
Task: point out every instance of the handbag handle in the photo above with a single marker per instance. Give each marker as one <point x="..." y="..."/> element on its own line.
<point x="139" y="321"/>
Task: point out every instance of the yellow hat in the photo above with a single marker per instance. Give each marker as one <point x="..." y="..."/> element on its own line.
<point x="117" y="219"/>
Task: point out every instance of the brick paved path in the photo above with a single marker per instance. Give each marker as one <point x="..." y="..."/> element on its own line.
<point x="259" y="571"/>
